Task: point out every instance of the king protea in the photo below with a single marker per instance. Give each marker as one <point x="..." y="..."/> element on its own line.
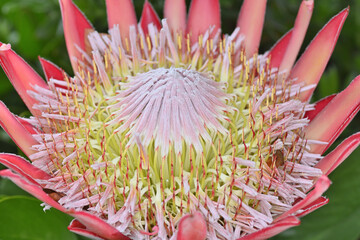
<point x="171" y="130"/>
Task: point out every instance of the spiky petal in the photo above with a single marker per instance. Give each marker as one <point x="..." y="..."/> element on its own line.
<point x="321" y="201"/>
<point x="149" y="16"/>
<point x="312" y="63"/>
<point x="76" y="28"/>
<point x="332" y="120"/>
<point x="321" y="186"/>
<point x="51" y="70"/>
<point x="79" y="228"/>
<point x="203" y="14"/>
<point x="33" y="189"/>
<point x="251" y="22"/>
<point x="21" y="75"/>
<point x="95" y="225"/>
<point x="23" y="167"/>
<point x="175" y="13"/>
<point x="273" y="229"/>
<point x="337" y="156"/>
<point x="16" y="130"/>
<point x="298" y="35"/>
<point x="277" y="52"/>
<point x="121" y="13"/>
<point x="320" y="105"/>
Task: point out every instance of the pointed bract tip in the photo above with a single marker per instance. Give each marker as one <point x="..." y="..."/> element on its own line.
<point x="311" y="65"/>
<point x="309" y="4"/>
<point x="297" y="37"/>
<point x="51" y="70"/>
<point x="76" y="27"/>
<point x="148" y="16"/>
<point x="5" y="47"/>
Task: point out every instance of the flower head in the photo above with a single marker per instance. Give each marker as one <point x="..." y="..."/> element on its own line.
<point x="170" y="130"/>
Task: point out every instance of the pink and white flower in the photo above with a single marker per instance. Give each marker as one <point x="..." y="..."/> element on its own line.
<point x="170" y="130"/>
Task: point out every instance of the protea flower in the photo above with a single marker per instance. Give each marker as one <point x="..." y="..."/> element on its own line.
<point x="170" y="130"/>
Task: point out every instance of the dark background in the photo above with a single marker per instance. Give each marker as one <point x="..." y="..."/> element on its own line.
<point x="33" y="27"/>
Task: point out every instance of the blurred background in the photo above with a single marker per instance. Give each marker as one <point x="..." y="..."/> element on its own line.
<point x="33" y="27"/>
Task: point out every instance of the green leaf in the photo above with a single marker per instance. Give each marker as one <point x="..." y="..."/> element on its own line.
<point x="7" y="187"/>
<point x="22" y="218"/>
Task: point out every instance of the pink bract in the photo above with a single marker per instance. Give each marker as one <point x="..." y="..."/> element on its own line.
<point x="186" y="112"/>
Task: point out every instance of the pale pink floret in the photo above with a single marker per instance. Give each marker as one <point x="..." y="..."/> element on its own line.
<point x="169" y="105"/>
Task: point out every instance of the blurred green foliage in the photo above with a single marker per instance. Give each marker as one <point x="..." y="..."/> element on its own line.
<point x="33" y="27"/>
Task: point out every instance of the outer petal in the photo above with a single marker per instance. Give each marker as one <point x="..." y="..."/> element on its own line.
<point x="148" y="16"/>
<point x="175" y="13"/>
<point x="273" y="229"/>
<point x="78" y="228"/>
<point x="33" y="189"/>
<point x="337" y="156"/>
<point x="277" y="52"/>
<point x="51" y="70"/>
<point x="76" y="29"/>
<point x="121" y="13"/>
<point x="203" y="14"/>
<point x="98" y="226"/>
<point x="321" y="201"/>
<point x="332" y="120"/>
<point x="318" y="107"/>
<point x="251" y="22"/>
<point x="321" y="186"/>
<point x="16" y="130"/>
<point x="92" y="223"/>
<point x="21" y="75"/>
<point x="23" y="167"/>
<point x="312" y="63"/>
<point x="192" y="226"/>
<point x="28" y="126"/>
<point x="297" y="37"/>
